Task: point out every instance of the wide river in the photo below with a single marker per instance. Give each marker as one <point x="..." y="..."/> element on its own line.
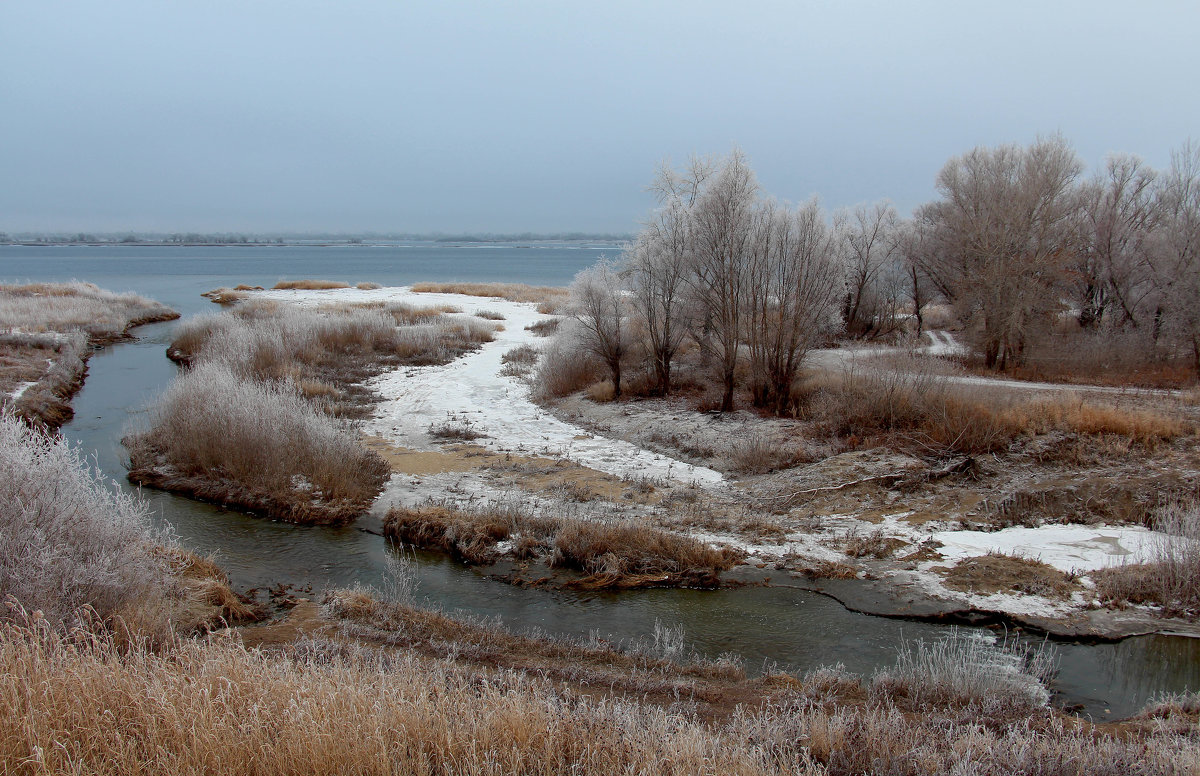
<point x="764" y="626"/>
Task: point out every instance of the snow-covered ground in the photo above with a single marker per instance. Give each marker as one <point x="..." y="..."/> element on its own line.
<point x="471" y="390"/>
<point x="1080" y="548"/>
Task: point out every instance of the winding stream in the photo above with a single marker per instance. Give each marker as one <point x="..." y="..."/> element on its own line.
<point x="789" y="628"/>
<point x="765" y="626"/>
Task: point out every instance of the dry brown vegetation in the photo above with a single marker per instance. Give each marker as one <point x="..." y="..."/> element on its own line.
<point x="49" y="330"/>
<point x="617" y="554"/>
<point x="999" y="573"/>
<point x="379" y="698"/>
<point x="309" y="285"/>
<point x="52" y="368"/>
<point x="64" y="307"/>
<point x="259" y="446"/>
<point x="1171" y="579"/>
<point x="250" y="424"/>
<point x="919" y="410"/>
<point x="338" y="345"/>
<point x="550" y="296"/>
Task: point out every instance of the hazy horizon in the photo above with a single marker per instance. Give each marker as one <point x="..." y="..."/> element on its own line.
<point x="546" y="117"/>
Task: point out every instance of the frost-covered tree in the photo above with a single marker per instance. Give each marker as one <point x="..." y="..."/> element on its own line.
<point x="1001" y="236"/>
<point x="597" y="304"/>
<point x="794" y="281"/>
<point x="723" y="229"/>
<point x="866" y="242"/>
<point x="659" y="261"/>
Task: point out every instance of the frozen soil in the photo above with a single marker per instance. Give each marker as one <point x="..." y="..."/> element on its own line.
<point x="884" y="531"/>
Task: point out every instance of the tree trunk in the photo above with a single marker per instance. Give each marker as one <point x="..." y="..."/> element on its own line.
<point x="727" y="397"/>
<point x="615" y="368"/>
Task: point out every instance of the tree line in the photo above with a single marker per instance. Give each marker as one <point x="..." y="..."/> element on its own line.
<point x="1018" y="244"/>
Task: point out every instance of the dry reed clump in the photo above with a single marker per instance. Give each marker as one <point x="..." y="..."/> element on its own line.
<point x="489" y="315"/>
<point x="367" y="285"/>
<point x="630" y="554"/>
<point x="69" y="540"/>
<point x="916" y="408"/>
<point x="564" y="371"/>
<point x="513" y="292"/>
<point x="254" y="445"/>
<point x="103" y="315"/>
<point x="547" y="327"/>
<point x="226" y="296"/>
<point x="1171" y="579"/>
<point x="309" y="285"/>
<point x="601" y="391"/>
<point x="520" y="361"/>
<point x="999" y="573"/>
<point x="622" y="554"/>
<point x="1002" y="682"/>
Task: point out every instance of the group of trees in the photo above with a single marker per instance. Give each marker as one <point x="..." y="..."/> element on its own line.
<point x="1016" y="243"/>
<point x="743" y="276"/>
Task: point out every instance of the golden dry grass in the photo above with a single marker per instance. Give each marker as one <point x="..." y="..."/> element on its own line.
<point x="83" y="704"/>
<point x="920" y="409"/>
<point x="513" y="292"/>
<point x="309" y="285"/>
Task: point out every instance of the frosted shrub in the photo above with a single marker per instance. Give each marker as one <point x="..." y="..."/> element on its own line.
<point x="256" y="445"/>
<point x="67" y="537"/>
<point x="968" y="669"/>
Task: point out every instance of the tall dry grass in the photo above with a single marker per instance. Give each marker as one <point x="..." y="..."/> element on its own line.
<point x="103" y="315"/>
<point x="310" y="285"/>
<point x="915" y="407"/>
<point x="267" y="340"/>
<point x="68" y="539"/>
<point x="1171" y="578"/>
<point x="255" y="445"/>
<point x="82" y="704"/>
<point x="551" y="296"/>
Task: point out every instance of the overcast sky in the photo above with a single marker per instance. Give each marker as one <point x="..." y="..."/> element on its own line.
<point x="548" y="116"/>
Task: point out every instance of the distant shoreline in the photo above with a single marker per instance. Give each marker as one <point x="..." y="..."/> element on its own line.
<point x="295" y="243"/>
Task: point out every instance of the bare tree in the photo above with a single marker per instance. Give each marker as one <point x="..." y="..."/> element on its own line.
<point x="1176" y="258"/>
<point x="597" y="304"/>
<point x="912" y="245"/>
<point x="1004" y="230"/>
<point x="658" y="263"/>
<point x="1114" y="275"/>
<point x="866" y="239"/>
<point x="792" y="294"/>
<point x="722" y="225"/>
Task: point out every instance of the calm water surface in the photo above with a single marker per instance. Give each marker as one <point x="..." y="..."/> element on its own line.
<point x="765" y="626"/>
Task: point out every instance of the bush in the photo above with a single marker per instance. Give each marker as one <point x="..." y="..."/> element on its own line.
<point x="68" y="539"/>
<point x="258" y="446"/>
<point x="563" y="370"/>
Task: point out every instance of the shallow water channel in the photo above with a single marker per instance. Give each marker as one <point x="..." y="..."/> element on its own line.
<point x="788" y="628"/>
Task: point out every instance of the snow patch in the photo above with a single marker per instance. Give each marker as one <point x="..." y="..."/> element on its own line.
<point x="1065" y="547"/>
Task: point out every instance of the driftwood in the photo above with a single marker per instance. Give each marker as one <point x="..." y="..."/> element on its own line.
<point x="893" y="480"/>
